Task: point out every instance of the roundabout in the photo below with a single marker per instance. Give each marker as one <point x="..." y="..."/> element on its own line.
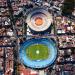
<point x="38" y="53"/>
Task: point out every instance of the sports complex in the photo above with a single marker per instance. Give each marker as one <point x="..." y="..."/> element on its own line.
<point x="38" y="53"/>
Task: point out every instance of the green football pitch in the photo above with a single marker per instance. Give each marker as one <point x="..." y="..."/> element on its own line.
<point x="37" y="52"/>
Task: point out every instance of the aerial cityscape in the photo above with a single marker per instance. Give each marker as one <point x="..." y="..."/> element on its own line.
<point x="37" y="37"/>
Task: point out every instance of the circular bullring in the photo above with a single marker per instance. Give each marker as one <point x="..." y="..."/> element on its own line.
<point x="39" y="19"/>
<point x="38" y="53"/>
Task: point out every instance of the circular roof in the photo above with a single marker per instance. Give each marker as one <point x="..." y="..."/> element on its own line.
<point x="39" y="19"/>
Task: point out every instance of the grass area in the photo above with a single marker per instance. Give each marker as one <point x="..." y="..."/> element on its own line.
<point x="37" y="52"/>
